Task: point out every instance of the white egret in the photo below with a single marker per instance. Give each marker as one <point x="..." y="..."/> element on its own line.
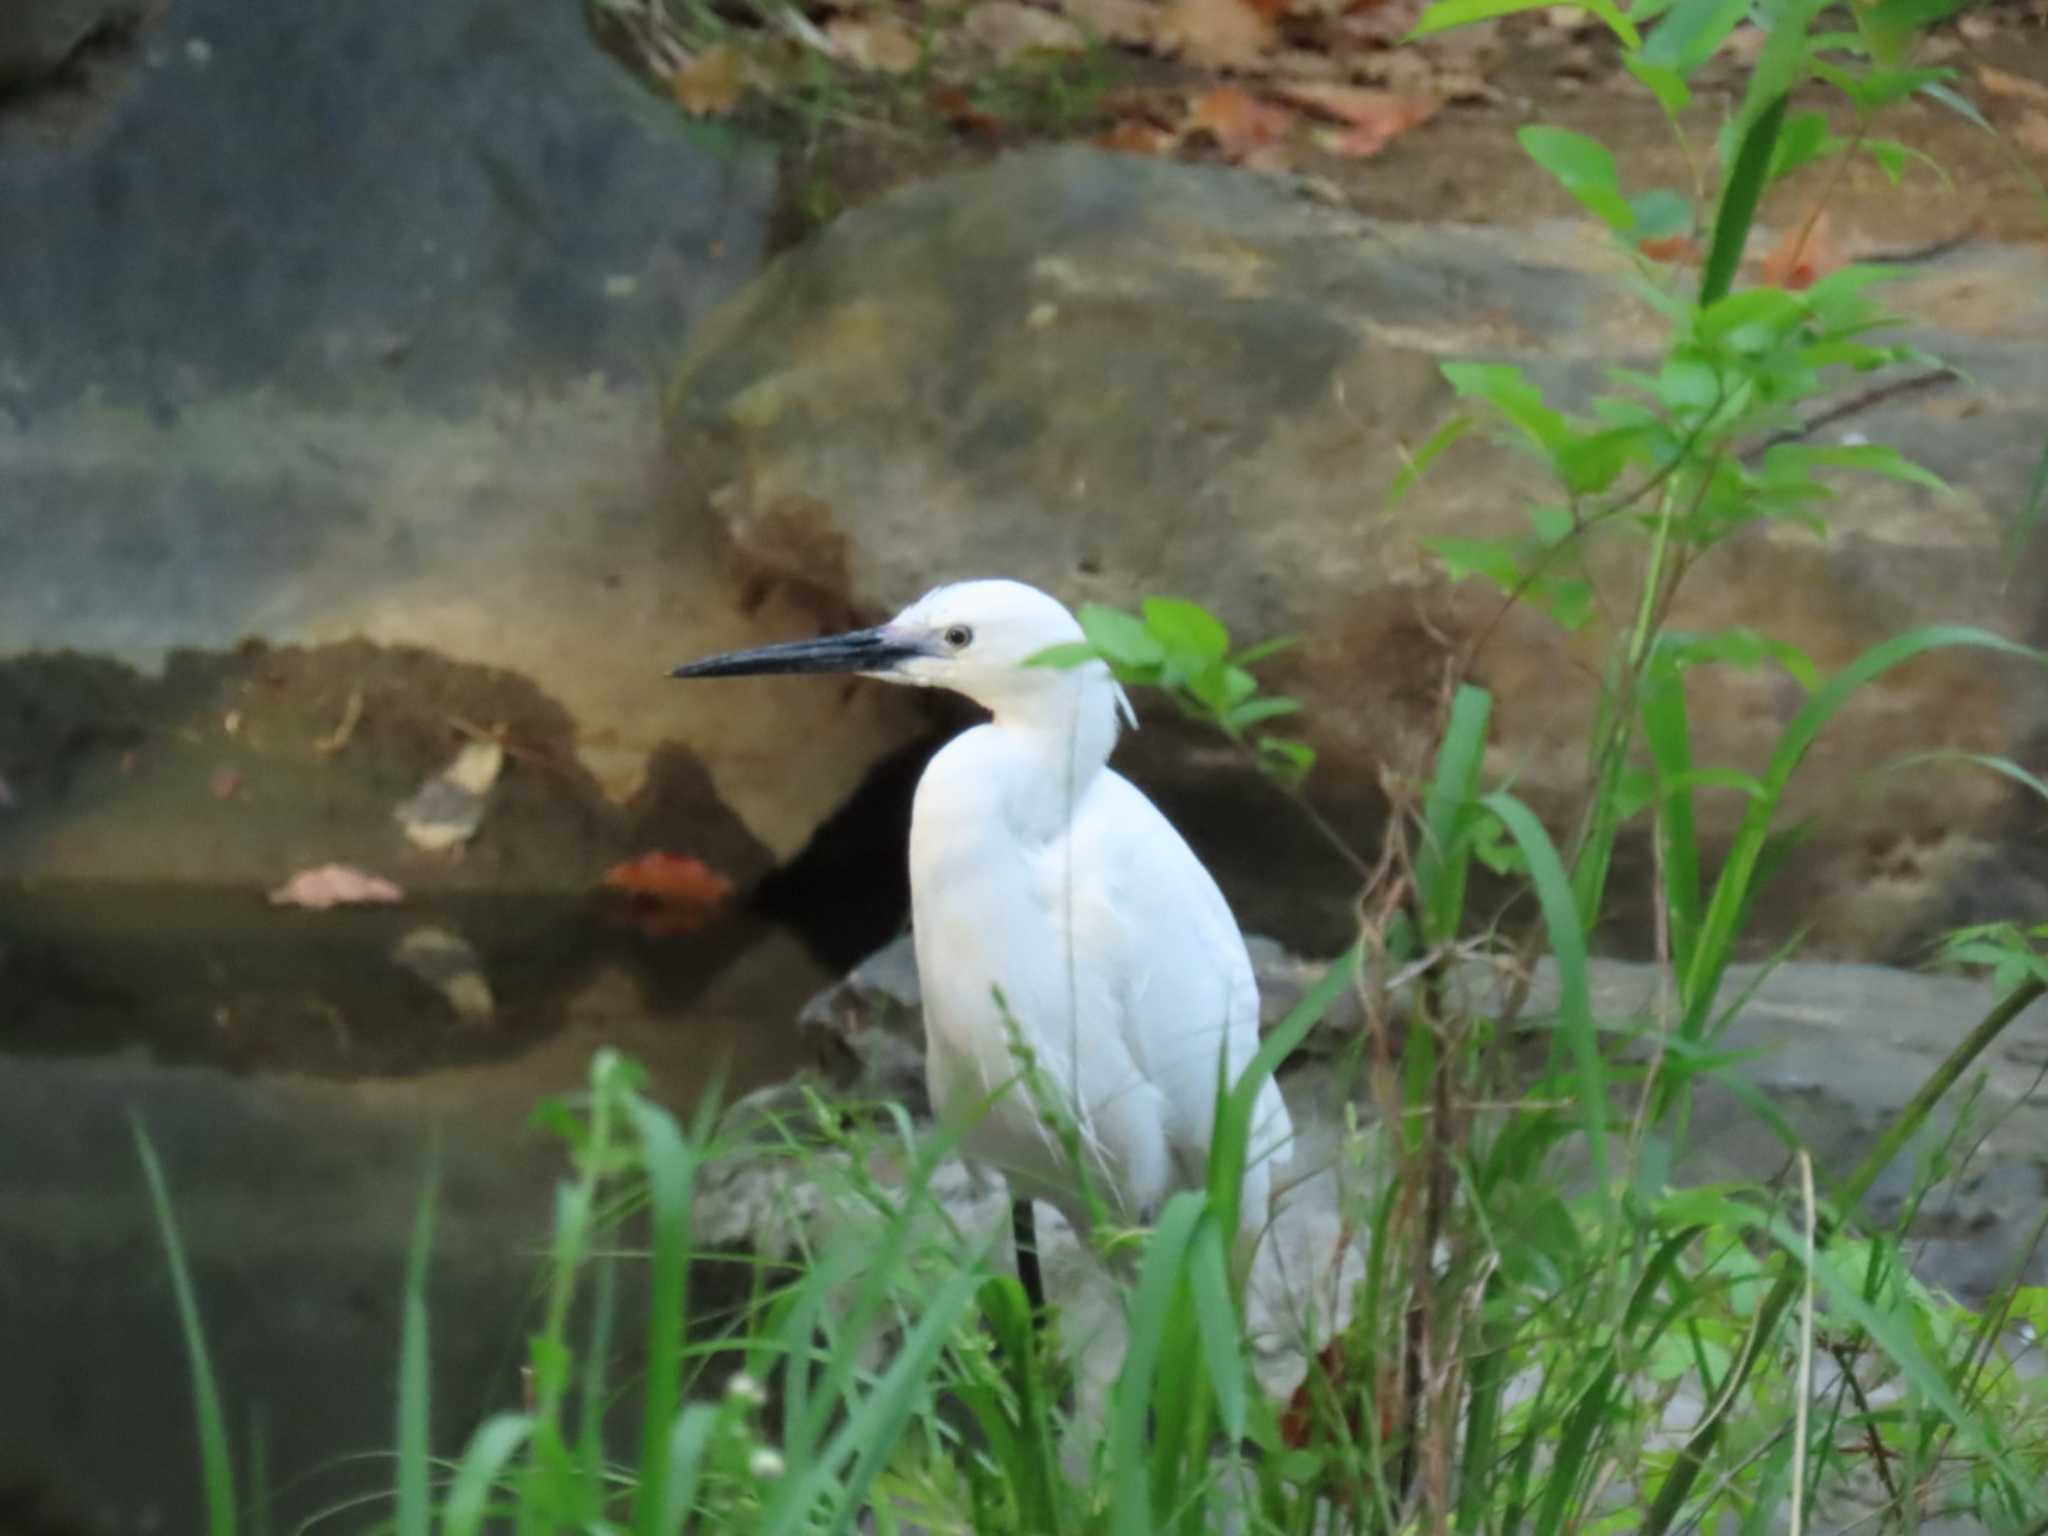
<point x="1053" y="905"/>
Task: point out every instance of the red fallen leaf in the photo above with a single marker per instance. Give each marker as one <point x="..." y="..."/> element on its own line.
<point x="1239" y="122"/>
<point x="671" y="892"/>
<point x="1805" y="255"/>
<point x="1372" y="118"/>
<point x="1298" y="1421"/>
<point x="335" y="885"/>
<point x="958" y="108"/>
<point x="1137" y="136"/>
<point x="224" y="783"/>
<point x="1679" y="250"/>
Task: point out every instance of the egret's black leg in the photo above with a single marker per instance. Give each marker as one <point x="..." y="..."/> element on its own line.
<point x="1024" y="1229"/>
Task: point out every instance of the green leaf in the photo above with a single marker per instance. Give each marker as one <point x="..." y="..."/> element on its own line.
<point x="1585" y="168"/>
<point x="1553" y="524"/>
<point x="490" y="1451"/>
<point x="1875" y="459"/>
<point x="1297" y="757"/>
<point x="1661" y="213"/>
<point x="1187" y="628"/>
<point x="1689" y="33"/>
<point x="1688" y="383"/>
<point x="1448" y="14"/>
<point x="1665" y="83"/>
<point x="1962" y="106"/>
<point x="1588" y="464"/>
<point x="1893" y="158"/>
<point x="1739" y="647"/>
<point x="1503" y="386"/>
<point x="1739" y="196"/>
<point x="1121" y="638"/>
<point x="1061" y="657"/>
<point x="1488" y="558"/>
<point x="1803" y="138"/>
<point x="1415" y="465"/>
<point x="1252" y="711"/>
<point x="1265" y="648"/>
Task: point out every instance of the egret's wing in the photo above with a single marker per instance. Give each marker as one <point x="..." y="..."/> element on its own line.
<point x="1187" y="997"/>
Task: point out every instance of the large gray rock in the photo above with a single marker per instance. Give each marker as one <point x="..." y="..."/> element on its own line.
<point x="349" y="320"/>
<point x="1115" y="377"/>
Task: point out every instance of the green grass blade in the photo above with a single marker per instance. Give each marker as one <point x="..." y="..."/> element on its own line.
<point x="687" y="1443"/>
<point x="1894" y="1334"/>
<point x="1234" y="1124"/>
<point x="1669" y="737"/>
<point x="413" y="1510"/>
<point x="490" y="1451"/>
<point x="875" y="1423"/>
<point x="216" y="1467"/>
<point x="1152" y="1307"/>
<point x="1739" y="198"/>
<point x="1570" y="1469"/>
<point x="1445" y="856"/>
<point x="671" y="1174"/>
<point x="1217" y="1322"/>
<point x="1732" y="890"/>
<point x="1568" y="947"/>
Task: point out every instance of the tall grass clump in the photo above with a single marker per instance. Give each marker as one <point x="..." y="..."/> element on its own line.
<point x="1549" y="1333"/>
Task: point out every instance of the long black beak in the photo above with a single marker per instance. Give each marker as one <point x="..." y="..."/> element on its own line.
<point x="864" y="650"/>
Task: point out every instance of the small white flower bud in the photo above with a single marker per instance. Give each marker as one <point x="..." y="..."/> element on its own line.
<point x="765" y="1464"/>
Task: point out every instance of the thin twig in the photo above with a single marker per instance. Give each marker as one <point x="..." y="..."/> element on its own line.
<point x="1884" y="394"/>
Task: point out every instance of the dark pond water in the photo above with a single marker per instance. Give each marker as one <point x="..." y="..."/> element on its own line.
<point x="292" y="1069"/>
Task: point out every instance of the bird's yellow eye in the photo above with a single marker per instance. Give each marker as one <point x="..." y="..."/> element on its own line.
<point x="959" y="636"/>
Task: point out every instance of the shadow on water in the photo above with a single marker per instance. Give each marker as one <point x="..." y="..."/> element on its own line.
<point x="293" y="1070"/>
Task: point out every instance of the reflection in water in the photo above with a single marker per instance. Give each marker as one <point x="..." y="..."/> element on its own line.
<point x="293" y="1070"/>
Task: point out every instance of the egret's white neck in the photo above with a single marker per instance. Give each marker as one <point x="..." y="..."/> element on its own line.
<point x="1067" y="722"/>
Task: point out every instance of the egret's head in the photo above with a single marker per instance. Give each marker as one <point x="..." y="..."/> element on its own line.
<point x="973" y="637"/>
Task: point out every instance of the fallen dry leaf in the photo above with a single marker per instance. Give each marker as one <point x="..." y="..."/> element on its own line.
<point x="1137" y="136"/>
<point x="880" y="44"/>
<point x="476" y="767"/>
<point x="446" y="962"/>
<point x="224" y="783"/>
<point x="958" y="108"/>
<point x="671" y="892"/>
<point x="710" y="85"/>
<point x="1009" y="29"/>
<point x="2016" y="87"/>
<point x="1219" y="34"/>
<point x="335" y="885"/>
<point x="2031" y="133"/>
<point x="1806" y="254"/>
<point x="1679" y="250"/>
<point x="1114" y="21"/>
<point x="1372" y="119"/>
<point x="1241" y="124"/>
